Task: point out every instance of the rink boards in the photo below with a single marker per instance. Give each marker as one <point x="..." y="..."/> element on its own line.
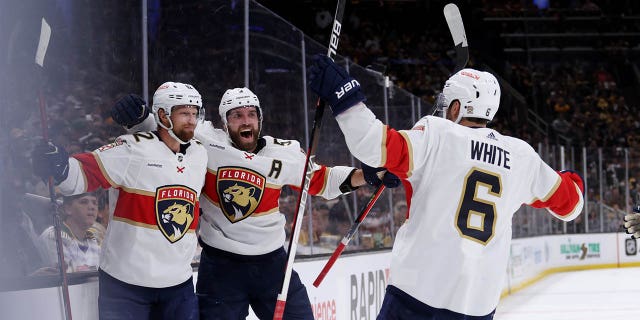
<point x="534" y="258"/>
<point x="354" y="288"/>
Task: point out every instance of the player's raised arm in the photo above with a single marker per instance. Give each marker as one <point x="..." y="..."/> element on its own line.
<point x="68" y="173"/>
<point x="368" y="139"/>
<point x="82" y="172"/>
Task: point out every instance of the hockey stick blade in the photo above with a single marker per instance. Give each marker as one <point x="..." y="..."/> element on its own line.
<point x="456" y="27"/>
<point x="347" y="238"/>
<point x="43" y="42"/>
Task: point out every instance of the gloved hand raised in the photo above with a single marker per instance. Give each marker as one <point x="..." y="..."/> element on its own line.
<point x="371" y="176"/>
<point x="48" y="160"/>
<point x="130" y="110"/>
<point x="334" y="85"/>
<point x="632" y="223"/>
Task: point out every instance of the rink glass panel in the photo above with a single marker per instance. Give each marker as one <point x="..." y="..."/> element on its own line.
<point x="95" y="57"/>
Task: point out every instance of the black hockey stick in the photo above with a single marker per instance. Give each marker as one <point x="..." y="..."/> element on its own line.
<point x="43" y="44"/>
<point x="304" y="187"/>
<point x="347" y="238"/>
<point x="456" y="27"/>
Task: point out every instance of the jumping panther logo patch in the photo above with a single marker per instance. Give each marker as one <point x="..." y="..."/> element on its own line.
<point x="175" y="211"/>
<point x="240" y="191"/>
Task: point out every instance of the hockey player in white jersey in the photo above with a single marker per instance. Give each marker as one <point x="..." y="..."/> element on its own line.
<point x="242" y="231"/>
<point x="464" y="182"/>
<point x="145" y="265"/>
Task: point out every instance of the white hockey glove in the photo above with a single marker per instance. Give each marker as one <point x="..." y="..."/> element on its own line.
<point x="632" y="223"/>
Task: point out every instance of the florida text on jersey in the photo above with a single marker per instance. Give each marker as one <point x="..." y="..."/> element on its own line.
<point x="240" y="203"/>
<point x="151" y="237"/>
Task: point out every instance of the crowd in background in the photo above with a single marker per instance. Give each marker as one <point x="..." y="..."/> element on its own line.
<point x="573" y="64"/>
<point x="584" y="99"/>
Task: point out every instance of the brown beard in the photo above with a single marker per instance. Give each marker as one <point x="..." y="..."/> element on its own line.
<point x="236" y="138"/>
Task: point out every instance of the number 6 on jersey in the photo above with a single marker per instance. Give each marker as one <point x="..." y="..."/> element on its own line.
<point x="476" y="217"/>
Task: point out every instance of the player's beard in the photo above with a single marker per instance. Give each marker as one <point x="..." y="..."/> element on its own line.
<point x="184" y="134"/>
<point x="245" y="138"/>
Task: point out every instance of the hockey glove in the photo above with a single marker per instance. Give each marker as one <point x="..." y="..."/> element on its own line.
<point x="632" y="223"/>
<point x="576" y="177"/>
<point x="371" y="176"/>
<point x="334" y="85"/>
<point x="48" y="160"/>
<point x="130" y="110"/>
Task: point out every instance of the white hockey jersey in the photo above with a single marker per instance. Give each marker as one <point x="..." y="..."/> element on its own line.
<point x="81" y="252"/>
<point x="240" y="203"/>
<point x="150" y="240"/>
<point x="240" y="212"/>
<point x="463" y="186"/>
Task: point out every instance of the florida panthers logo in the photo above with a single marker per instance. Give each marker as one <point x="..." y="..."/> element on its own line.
<point x="176" y="211"/>
<point x="239" y="191"/>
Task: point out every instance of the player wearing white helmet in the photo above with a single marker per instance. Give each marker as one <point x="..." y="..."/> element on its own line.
<point x="176" y="95"/>
<point x="242" y="101"/>
<point x="477" y="92"/>
<point x="242" y="231"/>
<point x="464" y="180"/>
<point x="145" y="264"/>
<point x="238" y="98"/>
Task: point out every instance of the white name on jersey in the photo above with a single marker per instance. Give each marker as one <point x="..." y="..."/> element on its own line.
<point x="485" y="152"/>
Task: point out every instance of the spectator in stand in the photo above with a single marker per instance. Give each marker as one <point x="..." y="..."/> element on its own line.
<point x="604" y="78"/>
<point x="81" y="247"/>
<point x="560" y="124"/>
<point x="634" y="194"/>
<point x="400" y="211"/>
<point x="99" y="228"/>
<point x="340" y="216"/>
<point x="320" y="237"/>
<point x="561" y="106"/>
<point x="378" y="225"/>
<point x="287" y="204"/>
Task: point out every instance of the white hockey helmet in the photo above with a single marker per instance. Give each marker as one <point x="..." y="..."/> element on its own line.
<point x="477" y="91"/>
<point x="171" y="94"/>
<point x="236" y="98"/>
